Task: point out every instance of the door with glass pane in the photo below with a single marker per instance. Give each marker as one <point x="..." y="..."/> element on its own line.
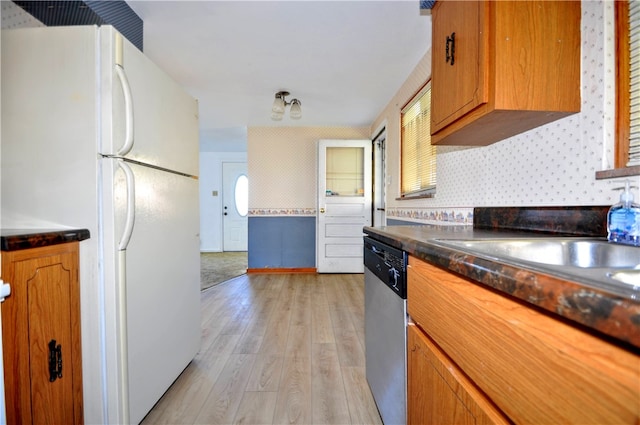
<point x="344" y="204"/>
<point x="235" y="199"/>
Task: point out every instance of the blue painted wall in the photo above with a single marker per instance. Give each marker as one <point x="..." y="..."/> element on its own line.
<point x="282" y="242"/>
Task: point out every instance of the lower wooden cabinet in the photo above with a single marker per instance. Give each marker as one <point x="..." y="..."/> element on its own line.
<point x="438" y="392"/>
<point x="41" y="336"/>
<point x="472" y="346"/>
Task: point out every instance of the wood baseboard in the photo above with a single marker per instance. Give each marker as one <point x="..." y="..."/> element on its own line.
<point x="296" y="270"/>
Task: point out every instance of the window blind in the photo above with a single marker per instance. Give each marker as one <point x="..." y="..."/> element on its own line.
<point x="418" y="157"/>
<point x="634" y="83"/>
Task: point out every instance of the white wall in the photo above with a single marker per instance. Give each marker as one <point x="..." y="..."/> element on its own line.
<point x="211" y="206"/>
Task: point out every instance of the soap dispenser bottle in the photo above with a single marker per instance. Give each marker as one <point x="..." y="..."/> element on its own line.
<point x="623" y="219"/>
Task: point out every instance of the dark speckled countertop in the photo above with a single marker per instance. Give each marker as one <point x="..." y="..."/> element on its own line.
<point x="598" y="311"/>
<point x="16" y="239"/>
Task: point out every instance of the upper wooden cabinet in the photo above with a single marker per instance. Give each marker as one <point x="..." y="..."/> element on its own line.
<point x="500" y="68"/>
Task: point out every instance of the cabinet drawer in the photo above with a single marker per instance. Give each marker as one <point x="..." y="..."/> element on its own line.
<point x="535" y="368"/>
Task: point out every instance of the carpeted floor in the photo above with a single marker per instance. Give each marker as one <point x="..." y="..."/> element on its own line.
<point x="218" y="267"/>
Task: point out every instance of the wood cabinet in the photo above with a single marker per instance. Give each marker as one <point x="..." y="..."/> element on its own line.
<point x="500" y="68"/>
<point x="532" y="366"/>
<point x="439" y="393"/>
<point x="41" y="335"/>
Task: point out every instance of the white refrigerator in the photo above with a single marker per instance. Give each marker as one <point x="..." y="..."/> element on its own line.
<point x="95" y="136"/>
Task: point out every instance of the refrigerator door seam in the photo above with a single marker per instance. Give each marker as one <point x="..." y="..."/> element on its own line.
<point x="146" y="164"/>
<point x="156" y="167"/>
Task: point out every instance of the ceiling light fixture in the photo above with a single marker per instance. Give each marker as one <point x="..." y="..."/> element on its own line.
<point x="280" y="103"/>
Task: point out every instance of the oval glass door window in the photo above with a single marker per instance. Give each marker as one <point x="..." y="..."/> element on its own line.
<point x="242" y="195"/>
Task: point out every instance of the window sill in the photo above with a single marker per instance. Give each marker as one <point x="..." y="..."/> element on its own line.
<point x="618" y="172"/>
<point x="409" y="198"/>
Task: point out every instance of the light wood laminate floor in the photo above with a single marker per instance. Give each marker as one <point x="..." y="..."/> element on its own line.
<point x="276" y="349"/>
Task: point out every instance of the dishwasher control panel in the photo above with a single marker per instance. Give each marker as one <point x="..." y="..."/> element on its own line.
<point x="389" y="264"/>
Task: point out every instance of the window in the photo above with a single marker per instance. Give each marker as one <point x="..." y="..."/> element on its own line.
<point x="628" y="83"/>
<point x="242" y="195"/>
<point x="344" y="171"/>
<point x="418" y="157"/>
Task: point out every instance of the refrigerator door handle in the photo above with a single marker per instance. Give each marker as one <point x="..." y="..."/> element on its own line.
<point x="131" y="205"/>
<point x="128" y="109"/>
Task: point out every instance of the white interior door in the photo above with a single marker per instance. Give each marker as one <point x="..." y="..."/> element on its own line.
<point x="235" y="200"/>
<point x="344" y="204"/>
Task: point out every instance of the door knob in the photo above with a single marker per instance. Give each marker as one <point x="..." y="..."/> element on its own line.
<point x="322" y="210"/>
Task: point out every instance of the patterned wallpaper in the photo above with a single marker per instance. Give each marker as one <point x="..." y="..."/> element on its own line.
<point x="282" y="167"/>
<point x="551" y="165"/>
<point x="14" y="16"/>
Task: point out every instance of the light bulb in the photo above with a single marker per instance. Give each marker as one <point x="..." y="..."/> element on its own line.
<point x="278" y="106"/>
<point x="296" y="110"/>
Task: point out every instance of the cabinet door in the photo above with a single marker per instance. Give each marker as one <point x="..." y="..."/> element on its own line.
<point x="43" y="307"/>
<point x="458" y="84"/>
<point x="438" y="392"/>
<point x="48" y="313"/>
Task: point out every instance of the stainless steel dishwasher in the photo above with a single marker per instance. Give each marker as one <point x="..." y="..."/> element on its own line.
<point x="385" y="311"/>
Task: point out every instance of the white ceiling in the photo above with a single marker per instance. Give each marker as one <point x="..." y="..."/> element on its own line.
<point x="344" y="60"/>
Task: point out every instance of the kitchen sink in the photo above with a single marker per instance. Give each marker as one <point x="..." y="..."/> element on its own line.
<point x="596" y="262"/>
